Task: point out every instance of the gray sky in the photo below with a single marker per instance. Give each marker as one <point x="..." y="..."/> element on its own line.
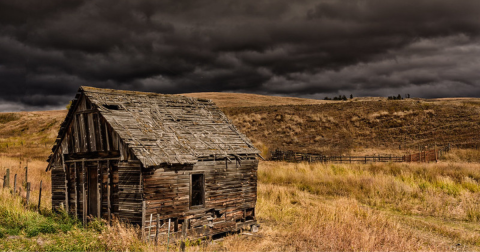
<point x="48" y="48"/>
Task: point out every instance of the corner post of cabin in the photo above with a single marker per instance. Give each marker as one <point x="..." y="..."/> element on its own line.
<point x="109" y="211"/>
<point x="99" y="192"/>
<point x="75" y="188"/>
<point x="66" y="183"/>
<point x="84" y="195"/>
<point x="144" y="206"/>
<point x="143" y="220"/>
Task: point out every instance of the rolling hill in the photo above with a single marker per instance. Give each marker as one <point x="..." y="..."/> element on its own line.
<point x="360" y="125"/>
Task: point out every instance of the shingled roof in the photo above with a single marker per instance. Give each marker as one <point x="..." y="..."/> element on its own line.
<point x="167" y="129"/>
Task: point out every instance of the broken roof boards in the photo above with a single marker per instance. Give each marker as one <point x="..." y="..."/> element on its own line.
<point x="164" y="129"/>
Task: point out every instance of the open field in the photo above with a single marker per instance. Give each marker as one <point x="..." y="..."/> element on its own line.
<point x="313" y="207"/>
<point x="388" y="206"/>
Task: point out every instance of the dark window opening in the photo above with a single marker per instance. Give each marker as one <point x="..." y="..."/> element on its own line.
<point x="198" y="192"/>
<point x="250" y="214"/>
<point x="112" y="106"/>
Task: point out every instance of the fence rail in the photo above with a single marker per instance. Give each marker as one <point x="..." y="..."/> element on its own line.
<point x="421" y="156"/>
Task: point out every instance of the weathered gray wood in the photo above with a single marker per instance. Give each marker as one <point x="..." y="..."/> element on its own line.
<point x="184" y="228"/>
<point x="66" y="185"/>
<point x="84" y="205"/>
<point x="7" y="179"/>
<point x="26" y="175"/>
<point x="99" y="193"/>
<point x="157" y="227"/>
<point x="75" y="187"/>
<point x="40" y="197"/>
<point x="152" y="144"/>
<point x="109" y="204"/>
<point x="28" y="195"/>
<point x="15" y="184"/>
<point x="150" y="227"/>
<point x="144" y="207"/>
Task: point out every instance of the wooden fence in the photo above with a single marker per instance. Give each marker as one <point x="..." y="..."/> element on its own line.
<point x="421" y="156"/>
<point x="26" y="184"/>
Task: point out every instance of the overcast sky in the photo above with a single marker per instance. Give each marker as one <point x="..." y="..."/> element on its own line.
<point x="48" y="48"/>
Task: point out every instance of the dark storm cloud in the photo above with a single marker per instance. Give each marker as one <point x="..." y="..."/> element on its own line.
<point x="428" y="48"/>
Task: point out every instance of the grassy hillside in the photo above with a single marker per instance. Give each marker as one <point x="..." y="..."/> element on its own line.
<point x="251" y="100"/>
<point x="395" y="127"/>
<point x="358" y="126"/>
<point x="29" y="134"/>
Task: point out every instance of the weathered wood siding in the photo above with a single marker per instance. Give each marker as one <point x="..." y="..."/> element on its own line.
<point x="95" y="171"/>
<point x="88" y="138"/>
<point x="130" y="192"/>
<point x="58" y="185"/>
<point x="230" y="196"/>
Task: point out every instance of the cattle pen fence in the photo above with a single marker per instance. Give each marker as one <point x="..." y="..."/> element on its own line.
<point x="420" y="156"/>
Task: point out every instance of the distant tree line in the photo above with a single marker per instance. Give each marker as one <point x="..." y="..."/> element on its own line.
<point x="398" y="97"/>
<point x="338" y="98"/>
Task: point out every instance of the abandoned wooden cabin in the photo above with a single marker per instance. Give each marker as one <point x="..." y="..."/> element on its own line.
<point x="138" y="155"/>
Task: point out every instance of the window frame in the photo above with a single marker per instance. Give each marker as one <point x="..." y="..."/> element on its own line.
<point x="191" y="191"/>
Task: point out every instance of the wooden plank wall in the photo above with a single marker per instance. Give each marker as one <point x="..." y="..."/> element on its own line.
<point x="88" y="137"/>
<point x="130" y="191"/>
<point x="230" y="196"/>
<point x="76" y="181"/>
<point x="58" y="186"/>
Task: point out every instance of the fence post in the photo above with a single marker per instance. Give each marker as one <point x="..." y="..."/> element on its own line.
<point x="26" y="175"/>
<point x="40" y="196"/>
<point x="157" y="226"/>
<point x="4" y="180"/>
<point x="28" y="193"/>
<point x="168" y="236"/>
<point x="150" y="227"/>
<point x="7" y="181"/>
<point x="143" y="220"/>
<point x="14" y="184"/>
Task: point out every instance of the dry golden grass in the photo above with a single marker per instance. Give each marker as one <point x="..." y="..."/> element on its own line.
<point x="29" y="134"/>
<point x="305" y="207"/>
<point x="315" y="207"/>
<point x="36" y="173"/>
<point x="387" y="127"/>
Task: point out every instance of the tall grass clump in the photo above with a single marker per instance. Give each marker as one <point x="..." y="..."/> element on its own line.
<point x="462" y="156"/>
<point x="446" y="196"/>
<point x="16" y="219"/>
<point x="23" y="229"/>
<point x="294" y="220"/>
